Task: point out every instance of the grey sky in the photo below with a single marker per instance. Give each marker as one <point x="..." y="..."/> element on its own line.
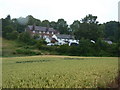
<point x="52" y="10"/>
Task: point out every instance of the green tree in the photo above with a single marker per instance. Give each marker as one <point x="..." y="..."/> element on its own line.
<point x="45" y="23"/>
<point x="13" y="35"/>
<point x="40" y="43"/>
<point x="62" y="26"/>
<point x="101" y="28"/>
<point x="75" y="26"/>
<point x="8" y="17"/>
<point x="88" y="29"/>
<point x="6" y="30"/>
<point x="37" y="22"/>
<point x="112" y="30"/>
<point x="53" y="24"/>
<point x="85" y="47"/>
<point x="90" y="19"/>
<point x="32" y="20"/>
<point x="6" y="26"/>
<point x="25" y="37"/>
<point x="36" y="36"/>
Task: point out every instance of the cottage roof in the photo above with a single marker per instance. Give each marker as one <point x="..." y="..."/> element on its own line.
<point x="64" y="36"/>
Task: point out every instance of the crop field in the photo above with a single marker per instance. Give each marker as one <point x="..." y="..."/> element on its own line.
<point x="49" y="71"/>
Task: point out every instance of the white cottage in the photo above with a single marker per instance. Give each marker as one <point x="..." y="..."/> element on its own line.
<point x="65" y="39"/>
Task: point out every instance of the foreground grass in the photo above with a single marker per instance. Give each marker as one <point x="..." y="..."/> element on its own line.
<point x="58" y="72"/>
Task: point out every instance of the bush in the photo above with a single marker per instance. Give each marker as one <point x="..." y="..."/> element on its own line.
<point x="27" y="52"/>
<point x="103" y="53"/>
<point x="63" y="49"/>
<point x="12" y="36"/>
<point x="26" y="37"/>
<point x="86" y="48"/>
<point x="48" y="48"/>
<point x="74" y="50"/>
<point x="40" y="43"/>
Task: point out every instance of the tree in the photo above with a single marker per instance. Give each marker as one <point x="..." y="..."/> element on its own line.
<point x="6" y="30"/>
<point x="85" y="47"/>
<point x="53" y="24"/>
<point x="25" y="37"/>
<point x="37" y="22"/>
<point x="36" y="36"/>
<point x="19" y="24"/>
<point x="13" y="35"/>
<point x="6" y="23"/>
<point x="62" y="26"/>
<point x="75" y="26"/>
<point x="45" y="23"/>
<point x="40" y="43"/>
<point x="101" y="28"/>
<point x="90" y="19"/>
<point x="88" y="31"/>
<point x="22" y="21"/>
<point x="88" y="28"/>
<point x="8" y="17"/>
<point x="112" y="30"/>
<point x="32" y="20"/>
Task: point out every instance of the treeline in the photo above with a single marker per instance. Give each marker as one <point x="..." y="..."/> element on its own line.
<point x="84" y="30"/>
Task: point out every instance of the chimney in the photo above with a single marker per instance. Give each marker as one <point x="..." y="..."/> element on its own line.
<point x="33" y="26"/>
<point x="47" y="28"/>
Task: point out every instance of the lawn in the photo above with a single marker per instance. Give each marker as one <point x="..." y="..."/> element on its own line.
<point x="58" y="71"/>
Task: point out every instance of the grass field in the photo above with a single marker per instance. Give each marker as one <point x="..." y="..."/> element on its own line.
<point x="58" y="72"/>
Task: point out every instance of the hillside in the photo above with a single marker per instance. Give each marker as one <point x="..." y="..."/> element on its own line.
<point x="14" y="48"/>
<point x="9" y="47"/>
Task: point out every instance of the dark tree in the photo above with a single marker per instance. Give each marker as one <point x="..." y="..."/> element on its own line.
<point x="45" y="23"/>
<point x="53" y="24"/>
<point x="112" y="30"/>
<point x="88" y="28"/>
<point x="62" y="26"/>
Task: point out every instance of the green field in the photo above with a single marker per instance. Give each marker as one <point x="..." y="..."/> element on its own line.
<point x="58" y="71"/>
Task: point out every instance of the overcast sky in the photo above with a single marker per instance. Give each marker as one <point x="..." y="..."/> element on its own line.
<point x="52" y="10"/>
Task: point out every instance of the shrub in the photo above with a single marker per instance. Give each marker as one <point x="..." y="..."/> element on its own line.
<point x="74" y="50"/>
<point x="12" y="36"/>
<point x="40" y="43"/>
<point x="63" y="49"/>
<point x="27" y="52"/>
<point x="26" y="38"/>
